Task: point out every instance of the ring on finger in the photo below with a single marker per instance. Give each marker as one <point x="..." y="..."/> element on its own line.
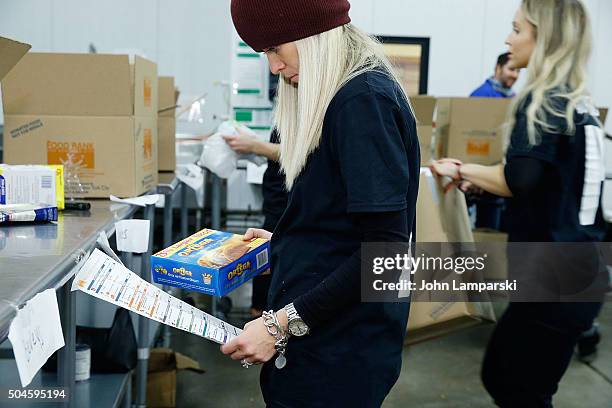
<point x="245" y="363"/>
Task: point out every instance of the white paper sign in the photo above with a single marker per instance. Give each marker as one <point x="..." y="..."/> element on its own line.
<point x="106" y="279"/>
<point x="255" y="173"/>
<point x="35" y="334"/>
<point x="142" y="201"/>
<point x="132" y="235"/>
<point x="192" y="175"/>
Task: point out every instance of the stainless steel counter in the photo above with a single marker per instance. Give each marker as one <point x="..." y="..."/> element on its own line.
<point x="36" y="257"/>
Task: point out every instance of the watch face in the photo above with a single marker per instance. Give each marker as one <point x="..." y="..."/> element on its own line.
<point x="298" y="328"/>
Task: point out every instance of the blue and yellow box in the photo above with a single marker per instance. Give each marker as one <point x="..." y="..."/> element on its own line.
<point x="211" y="262"/>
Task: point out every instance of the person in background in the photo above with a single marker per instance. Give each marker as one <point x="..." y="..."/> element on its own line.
<point x="274" y="199"/>
<point x="500" y="84"/>
<point x="339" y="101"/>
<point x="489" y="207"/>
<point x="554" y="176"/>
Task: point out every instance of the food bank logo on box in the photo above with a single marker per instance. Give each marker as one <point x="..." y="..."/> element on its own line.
<point x="147" y="92"/>
<point x="81" y="153"/>
<point x="478" y="147"/>
<point x="148" y="144"/>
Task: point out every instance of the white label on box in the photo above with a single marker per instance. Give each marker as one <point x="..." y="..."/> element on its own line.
<point x="35" y="334"/>
<point x="106" y="279"/>
<point x="132" y="235"/>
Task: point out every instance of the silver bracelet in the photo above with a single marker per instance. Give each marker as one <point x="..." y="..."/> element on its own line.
<point x="275" y="330"/>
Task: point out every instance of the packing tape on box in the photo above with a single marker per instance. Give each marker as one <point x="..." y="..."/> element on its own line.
<point x="104" y="278"/>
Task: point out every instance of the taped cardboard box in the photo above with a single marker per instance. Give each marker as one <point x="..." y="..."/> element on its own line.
<point x="161" y="379"/>
<point x="166" y="124"/>
<point x="442" y="218"/>
<point x="95" y="114"/>
<point x="471" y="129"/>
<point x="424" y="107"/>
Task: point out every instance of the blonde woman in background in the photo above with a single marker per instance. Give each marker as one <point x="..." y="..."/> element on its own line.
<point x="350" y="155"/>
<point x="553" y="174"/>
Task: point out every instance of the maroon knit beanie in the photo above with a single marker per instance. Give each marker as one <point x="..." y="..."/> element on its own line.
<point x="268" y="23"/>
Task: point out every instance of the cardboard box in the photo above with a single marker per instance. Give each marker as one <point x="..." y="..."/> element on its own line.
<point x="424" y="107"/>
<point x="32" y="185"/>
<point x="471" y="129"/>
<point x="166" y="124"/>
<point x="95" y="114"/>
<point x="211" y="262"/>
<point x="10" y="53"/>
<point x="442" y="218"/>
<point x="161" y="378"/>
<point x="497" y="271"/>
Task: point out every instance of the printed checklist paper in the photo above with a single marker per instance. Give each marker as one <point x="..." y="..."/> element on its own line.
<point x="106" y="279"/>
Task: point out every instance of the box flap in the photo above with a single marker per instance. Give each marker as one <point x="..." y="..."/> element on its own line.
<point x="10" y="54"/>
<point x="603" y="113"/>
<point x="185" y="363"/>
<point x="145" y="87"/>
<point x="167" y="96"/>
<point x="424" y="107"/>
<point x="68" y="85"/>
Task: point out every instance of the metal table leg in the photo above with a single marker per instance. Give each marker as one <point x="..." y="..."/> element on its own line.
<point x="127" y="396"/>
<point x="184" y="213"/>
<point x="67" y="354"/>
<point x="167" y="220"/>
<point x="144" y="323"/>
<point x="216" y="218"/>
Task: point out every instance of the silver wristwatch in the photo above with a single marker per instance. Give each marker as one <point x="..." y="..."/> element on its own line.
<point x="295" y="324"/>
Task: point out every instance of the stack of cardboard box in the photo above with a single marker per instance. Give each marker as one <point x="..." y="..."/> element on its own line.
<point x="95" y="114"/>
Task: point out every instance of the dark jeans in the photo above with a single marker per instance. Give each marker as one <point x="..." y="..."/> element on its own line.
<point x="530" y="350"/>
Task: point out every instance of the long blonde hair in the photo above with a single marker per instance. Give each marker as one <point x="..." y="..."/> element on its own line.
<point x="557" y="68"/>
<point x="327" y="62"/>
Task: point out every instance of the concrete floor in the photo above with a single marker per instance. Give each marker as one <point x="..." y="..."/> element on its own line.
<point x="440" y="373"/>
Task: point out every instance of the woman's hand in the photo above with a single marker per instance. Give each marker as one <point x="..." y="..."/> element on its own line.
<point x="446" y="168"/>
<point x="256" y="233"/>
<point x="254" y="344"/>
<point x="242" y="142"/>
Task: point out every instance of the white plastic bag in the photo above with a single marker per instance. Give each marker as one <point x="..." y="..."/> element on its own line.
<point x="218" y="157"/>
<point x="228" y="128"/>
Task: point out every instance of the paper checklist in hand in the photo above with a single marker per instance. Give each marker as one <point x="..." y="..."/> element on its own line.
<point x="106" y="279"/>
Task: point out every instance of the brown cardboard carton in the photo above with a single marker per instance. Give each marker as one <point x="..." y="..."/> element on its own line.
<point x="166" y="125"/>
<point x="471" y="129"/>
<point x="96" y="114"/>
<point x="161" y="378"/>
<point x="442" y="218"/>
<point x="10" y="53"/>
<point x="603" y="114"/>
<point x="498" y="270"/>
<point x="424" y="107"/>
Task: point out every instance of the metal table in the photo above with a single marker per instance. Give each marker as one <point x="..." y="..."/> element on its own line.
<point x="34" y="258"/>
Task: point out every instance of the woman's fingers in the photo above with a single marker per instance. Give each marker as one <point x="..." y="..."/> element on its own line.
<point x="231" y="347"/>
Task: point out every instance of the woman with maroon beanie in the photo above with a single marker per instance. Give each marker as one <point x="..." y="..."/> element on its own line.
<point x="350" y="156"/>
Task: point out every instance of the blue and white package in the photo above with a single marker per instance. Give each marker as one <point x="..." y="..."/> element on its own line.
<point x="27" y="213"/>
<point x="211" y="262"/>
